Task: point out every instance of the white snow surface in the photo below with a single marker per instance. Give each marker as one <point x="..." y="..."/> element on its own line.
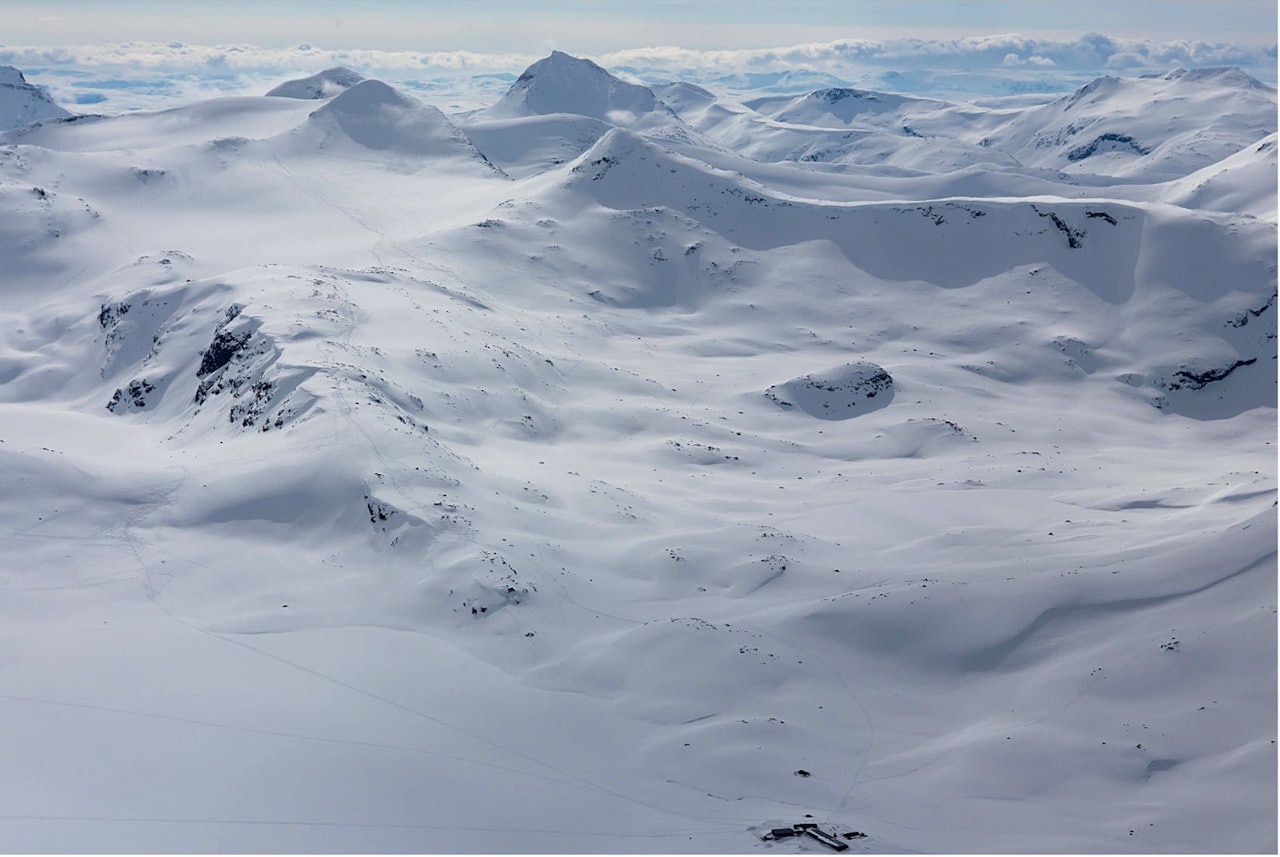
<point x="324" y="84"/>
<point x="21" y="103"/>
<point x="599" y="473"/>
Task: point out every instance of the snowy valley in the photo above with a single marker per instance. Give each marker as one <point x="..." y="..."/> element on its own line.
<point x="631" y="469"/>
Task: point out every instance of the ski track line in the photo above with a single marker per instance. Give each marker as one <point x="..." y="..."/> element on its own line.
<point x="399" y="748"/>
<point x="583" y="782"/>
<point x="853" y="697"/>
<point x="351" y="824"/>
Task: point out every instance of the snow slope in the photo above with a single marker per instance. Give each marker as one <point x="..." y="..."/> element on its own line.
<point x="1110" y="132"/>
<point x="564" y="84"/>
<point x="324" y="84"/>
<point x="1152" y="128"/>
<point x="22" y="103"/>
<point x="560" y="106"/>
<point x="1240" y="182"/>
<point x="636" y="497"/>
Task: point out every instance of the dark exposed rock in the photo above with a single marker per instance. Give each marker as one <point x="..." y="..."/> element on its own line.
<point x="1074" y="236"/>
<point x="836" y="394"/>
<point x="1126" y="143"/>
<point x="837" y="94"/>
<point x="1243" y="318"/>
<point x="249" y="409"/>
<point x="1198" y="380"/>
<point x="134" y="396"/>
<point x="219" y="353"/>
<point x="111" y="313"/>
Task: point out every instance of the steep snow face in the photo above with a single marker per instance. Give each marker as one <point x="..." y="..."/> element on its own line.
<point x="1241" y="182"/>
<point x="21" y="103"/>
<point x="564" y="84"/>
<point x="324" y="84"/>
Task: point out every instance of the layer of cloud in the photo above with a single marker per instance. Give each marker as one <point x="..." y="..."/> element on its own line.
<point x="1089" y="53"/>
<point x="147" y="75"/>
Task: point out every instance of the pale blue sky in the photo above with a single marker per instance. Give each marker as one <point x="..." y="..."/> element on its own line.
<point x="603" y="25"/>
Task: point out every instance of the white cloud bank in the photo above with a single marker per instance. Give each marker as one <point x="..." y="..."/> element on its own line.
<point x="134" y="75"/>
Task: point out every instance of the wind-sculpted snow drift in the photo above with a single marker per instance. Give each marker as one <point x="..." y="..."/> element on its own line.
<point x="632" y="470"/>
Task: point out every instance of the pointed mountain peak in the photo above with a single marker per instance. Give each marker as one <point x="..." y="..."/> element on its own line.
<point x="22" y="103"/>
<point x="325" y="84"/>
<point x="1091" y="91"/>
<point x="10" y="76"/>
<point x="559" y="60"/>
<point x="561" y="83"/>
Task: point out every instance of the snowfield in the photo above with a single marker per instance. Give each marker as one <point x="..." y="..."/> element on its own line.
<point x="621" y="469"/>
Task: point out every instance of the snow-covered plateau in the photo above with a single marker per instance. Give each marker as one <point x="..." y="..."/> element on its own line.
<point x="630" y="469"/>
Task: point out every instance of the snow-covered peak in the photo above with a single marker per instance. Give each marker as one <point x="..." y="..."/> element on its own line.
<point x="1157" y="127"/>
<point x="683" y="96"/>
<point x="370" y="96"/>
<point x="10" y="76"/>
<point x="324" y="84"/>
<point x="844" y="107"/>
<point x="1225" y="75"/>
<point x="1244" y="182"/>
<point x="21" y="103"/>
<point x="562" y="83"/>
<point x="1212" y="82"/>
<point x="376" y="116"/>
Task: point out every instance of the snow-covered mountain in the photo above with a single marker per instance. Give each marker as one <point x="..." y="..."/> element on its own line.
<point x="564" y="84"/>
<point x="21" y="103"/>
<point x="648" y="493"/>
<point x="1240" y="182"/>
<point x="374" y="116"/>
<point x="1152" y="128"/>
<point x="563" y="104"/>
<point x="324" y="84"/>
<point x="840" y="107"/>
